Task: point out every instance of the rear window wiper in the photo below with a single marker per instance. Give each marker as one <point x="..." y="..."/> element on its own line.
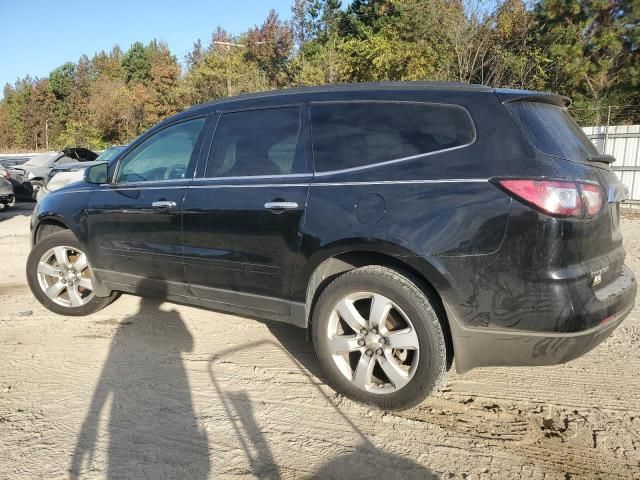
<point x="602" y="158"/>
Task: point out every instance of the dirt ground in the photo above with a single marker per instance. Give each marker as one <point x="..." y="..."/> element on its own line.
<point x="143" y="390"/>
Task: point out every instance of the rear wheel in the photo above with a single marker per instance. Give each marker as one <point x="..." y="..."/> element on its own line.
<point x="59" y="276"/>
<point x="378" y="338"/>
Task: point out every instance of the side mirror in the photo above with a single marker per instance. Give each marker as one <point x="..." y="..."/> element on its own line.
<point x="97" y="173"/>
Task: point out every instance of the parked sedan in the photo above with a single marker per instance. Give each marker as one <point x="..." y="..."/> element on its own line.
<point x="29" y="177"/>
<point x="67" y="173"/>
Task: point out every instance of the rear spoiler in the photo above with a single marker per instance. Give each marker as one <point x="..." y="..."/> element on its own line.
<point x="506" y="96"/>
<point x="603" y="158"/>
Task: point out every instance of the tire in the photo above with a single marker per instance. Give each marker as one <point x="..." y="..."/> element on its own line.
<point x="11" y="202"/>
<point x="411" y="320"/>
<point x="86" y="302"/>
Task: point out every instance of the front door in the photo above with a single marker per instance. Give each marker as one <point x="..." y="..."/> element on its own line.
<point x="243" y="215"/>
<point x="135" y="221"/>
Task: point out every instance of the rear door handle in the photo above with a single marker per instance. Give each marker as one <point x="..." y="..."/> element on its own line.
<point x="164" y="204"/>
<point x="281" y="205"/>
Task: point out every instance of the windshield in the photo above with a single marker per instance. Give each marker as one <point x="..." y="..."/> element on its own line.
<point x="42" y="160"/>
<point x="109" y="153"/>
<point x="551" y="130"/>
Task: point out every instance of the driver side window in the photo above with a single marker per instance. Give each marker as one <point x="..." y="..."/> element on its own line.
<point x="163" y="156"/>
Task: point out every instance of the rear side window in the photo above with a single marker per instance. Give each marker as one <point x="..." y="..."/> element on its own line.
<point x="550" y="129"/>
<point x="355" y="134"/>
<point x="256" y="142"/>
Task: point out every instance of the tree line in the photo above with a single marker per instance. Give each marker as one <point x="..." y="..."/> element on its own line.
<point x="586" y="49"/>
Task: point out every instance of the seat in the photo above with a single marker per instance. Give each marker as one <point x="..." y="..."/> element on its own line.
<point x="252" y="159"/>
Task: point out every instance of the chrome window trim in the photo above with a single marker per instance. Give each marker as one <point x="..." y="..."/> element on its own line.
<point x="390" y="162"/>
<point x="246" y="177"/>
<point x="319" y="184"/>
<point x="405" y="182"/>
<point x="248" y="185"/>
<point x="145" y="182"/>
<point x="394" y="160"/>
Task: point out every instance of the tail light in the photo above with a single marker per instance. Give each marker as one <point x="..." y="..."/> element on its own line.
<point x="591" y="198"/>
<point x="556" y="197"/>
<point x="5" y="174"/>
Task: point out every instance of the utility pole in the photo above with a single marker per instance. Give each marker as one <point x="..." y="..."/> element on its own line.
<point x="606" y="131"/>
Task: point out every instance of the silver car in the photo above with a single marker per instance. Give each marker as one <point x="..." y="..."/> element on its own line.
<point x="67" y="173"/>
<point x="31" y="176"/>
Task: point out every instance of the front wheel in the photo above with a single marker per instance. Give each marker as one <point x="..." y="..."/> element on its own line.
<point x="378" y="338"/>
<point x="59" y="275"/>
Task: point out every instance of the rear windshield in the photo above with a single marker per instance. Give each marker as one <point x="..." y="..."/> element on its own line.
<point x="355" y="134"/>
<point x="551" y="130"/>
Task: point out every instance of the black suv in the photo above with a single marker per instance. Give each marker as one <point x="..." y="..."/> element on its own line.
<point x="404" y="224"/>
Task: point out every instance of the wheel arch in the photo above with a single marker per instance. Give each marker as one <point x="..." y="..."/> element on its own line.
<point x="418" y="269"/>
<point x="46" y="227"/>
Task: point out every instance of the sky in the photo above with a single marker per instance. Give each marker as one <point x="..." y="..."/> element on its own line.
<point x="36" y="36"/>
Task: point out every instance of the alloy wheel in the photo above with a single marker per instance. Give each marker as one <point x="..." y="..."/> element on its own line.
<point x="64" y="276"/>
<point x="373" y="342"/>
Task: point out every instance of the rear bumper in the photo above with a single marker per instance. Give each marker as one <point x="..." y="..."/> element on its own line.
<point x="477" y="347"/>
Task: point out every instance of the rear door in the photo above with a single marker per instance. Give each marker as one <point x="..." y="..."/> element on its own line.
<point x="244" y="213"/>
<point x="135" y="221"/>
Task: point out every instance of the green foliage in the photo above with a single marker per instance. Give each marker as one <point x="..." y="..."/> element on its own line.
<point x="221" y="72"/>
<point x="269" y="47"/>
<point x="136" y="64"/>
<point x="586" y="49"/>
<point x="61" y="81"/>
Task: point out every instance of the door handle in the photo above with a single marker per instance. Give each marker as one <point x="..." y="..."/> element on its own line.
<point x="281" y="205"/>
<point x="164" y="204"/>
